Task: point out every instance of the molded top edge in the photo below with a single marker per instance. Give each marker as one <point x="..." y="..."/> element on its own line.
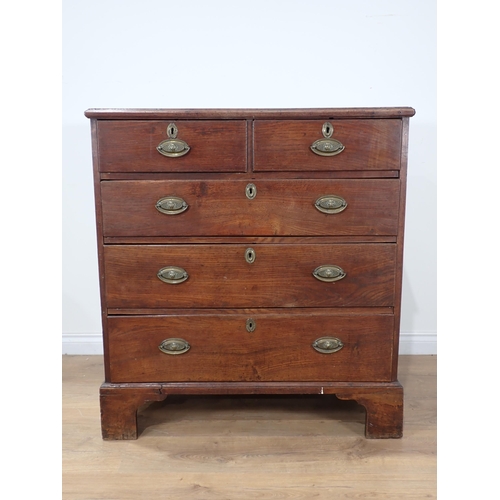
<point x="247" y="114"/>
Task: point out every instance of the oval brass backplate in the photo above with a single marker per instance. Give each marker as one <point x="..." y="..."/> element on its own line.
<point x="329" y="273"/>
<point x="327" y="345"/>
<point x="251" y="325"/>
<point x="171" y="205"/>
<point x="172" y="147"/>
<point x="331" y="204"/>
<point x="250" y="255"/>
<point x="251" y="191"/>
<point x="327" y="146"/>
<point x="172" y="275"/>
<point x="174" y="346"/>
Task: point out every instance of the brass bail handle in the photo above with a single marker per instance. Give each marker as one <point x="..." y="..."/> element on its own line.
<point x="174" y="346"/>
<point x="327" y="345"/>
<point x="171" y="205"/>
<point x="173" y="275"/>
<point x="329" y="273"/>
<point x="327" y="146"/>
<point x="173" y="147"/>
<point x="330" y="204"/>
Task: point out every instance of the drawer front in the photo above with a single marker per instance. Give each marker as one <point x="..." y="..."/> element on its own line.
<point x="131" y="146"/>
<point x="219" y="276"/>
<point x="280" y="207"/>
<point x="279" y="348"/>
<point x="286" y="145"/>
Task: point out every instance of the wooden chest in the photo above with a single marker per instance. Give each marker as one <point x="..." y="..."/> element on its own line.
<point x="250" y="252"/>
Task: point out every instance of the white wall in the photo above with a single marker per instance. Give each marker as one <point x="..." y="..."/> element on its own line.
<point x="263" y="53"/>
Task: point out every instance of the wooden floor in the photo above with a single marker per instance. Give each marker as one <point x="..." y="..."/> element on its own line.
<point x="286" y="447"/>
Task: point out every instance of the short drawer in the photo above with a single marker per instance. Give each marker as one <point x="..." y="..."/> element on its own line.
<point x="132" y="146"/>
<point x="280" y="347"/>
<point x="263" y="275"/>
<point x="222" y="207"/>
<point x="367" y="145"/>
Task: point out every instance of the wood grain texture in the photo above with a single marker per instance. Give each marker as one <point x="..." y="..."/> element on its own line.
<point x="246" y="240"/>
<point x="334" y="174"/>
<point x="384" y="410"/>
<point x="401" y="234"/>
<point x="219" y="276"/>
<point x="248" y="113"/>
<point x="383" y="402"/>
<point x="290" y="311"/>
<point x="131" y="146"/>
<point x="99" y="234"/>
<point x="230" y="148"/>
<point x="223" y="350"/>
<point x="248" y="447"/>
<point x="285" y="145"/>
<point x="119" y="410"/>
<point x="220" y="207"/>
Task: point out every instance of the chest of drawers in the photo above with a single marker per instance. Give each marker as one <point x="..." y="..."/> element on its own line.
<point x="250" y="252"/>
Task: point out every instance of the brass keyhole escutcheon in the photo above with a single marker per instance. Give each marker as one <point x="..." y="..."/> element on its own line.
<point x="250" y="255"/>
<point x="172" y="131"/>
<point x="251" y="191"/>
<point x="327" y="130"/>
<point x="251" y="325"/>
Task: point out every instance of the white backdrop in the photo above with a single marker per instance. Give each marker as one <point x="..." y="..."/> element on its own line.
<point x="263" y="53"/>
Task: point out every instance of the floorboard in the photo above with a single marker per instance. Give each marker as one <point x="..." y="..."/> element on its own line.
<point x="247" y="447"/>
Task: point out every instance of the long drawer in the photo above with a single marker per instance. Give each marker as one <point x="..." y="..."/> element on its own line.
<point x="263" y="275"/>
<point x="281" y="347"/>
<point x="277" y="207"/>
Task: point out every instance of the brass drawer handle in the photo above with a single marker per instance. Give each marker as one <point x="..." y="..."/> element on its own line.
<point x="173" y="147"/>
<point x="174" y="346"/>
<point x="172" y="275"/>
<point x="331" y="204"/>
<point x="327" y="146"/>
<point x="171" y="205"/>
<point x="327" y="345"/>
<point x="329" y="273"/>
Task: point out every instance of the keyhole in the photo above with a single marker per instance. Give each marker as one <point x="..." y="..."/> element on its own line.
<point x="251" y="191"/>
<point x="251" y="325"/>
<point x="327" y="130"/>
<point x="250" y="255"/>
<point x="172" y="131"/>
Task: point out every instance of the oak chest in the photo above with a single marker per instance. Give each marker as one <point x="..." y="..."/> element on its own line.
<point x="250" y="252"/>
